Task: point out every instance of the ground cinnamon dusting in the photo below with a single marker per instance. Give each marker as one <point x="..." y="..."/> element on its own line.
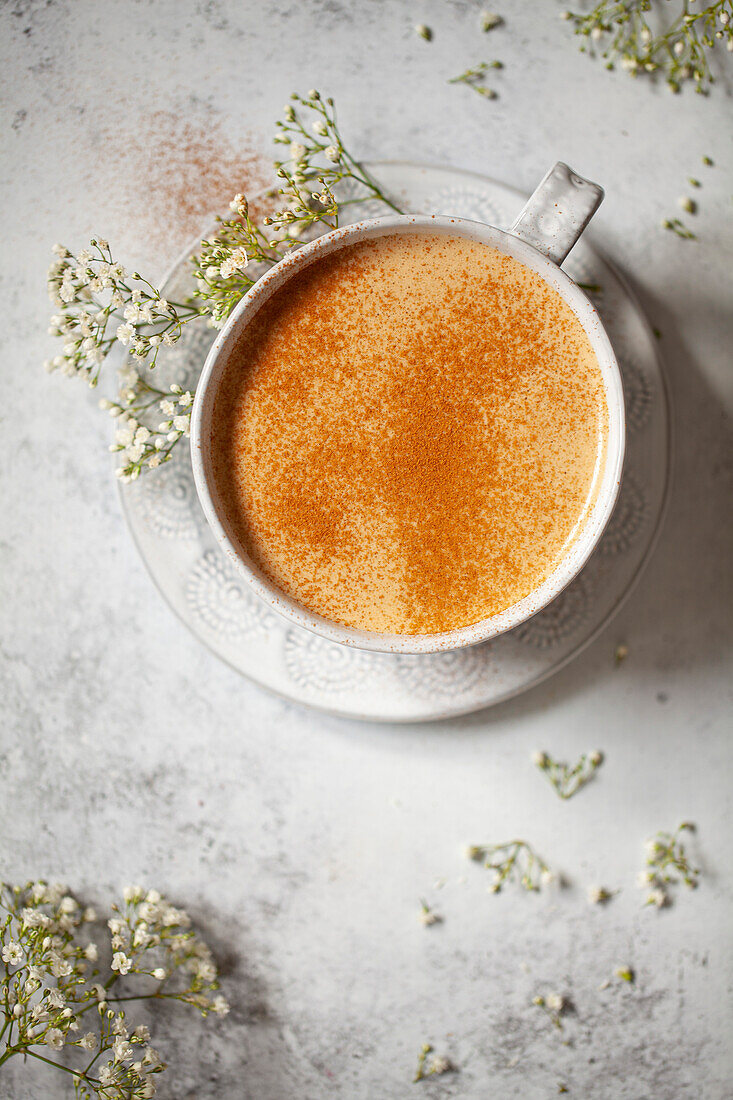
<point x="172" y="175"/>
<point x="408" y="435"/>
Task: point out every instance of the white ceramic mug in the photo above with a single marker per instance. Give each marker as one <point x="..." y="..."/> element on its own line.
<point x="541" y="237"/>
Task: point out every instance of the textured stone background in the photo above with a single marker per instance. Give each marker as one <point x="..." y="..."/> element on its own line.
<point x="300" y="843"/>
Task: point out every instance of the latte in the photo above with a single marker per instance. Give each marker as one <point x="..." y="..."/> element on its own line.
<point x="408" y="436"/>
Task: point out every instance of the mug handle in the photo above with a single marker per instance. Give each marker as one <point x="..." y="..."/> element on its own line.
<point x="557" y="212"/>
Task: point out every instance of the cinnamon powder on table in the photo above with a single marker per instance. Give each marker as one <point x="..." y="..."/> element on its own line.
<point x="172" y="176"/>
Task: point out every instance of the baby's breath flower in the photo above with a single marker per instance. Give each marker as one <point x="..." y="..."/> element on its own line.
<point x="12" y="953"/>
<point x="566" y="779"/>
<point x="554" y="1004"/>
<point x="667" y="864"/>
<point x="513" y="861"/>
<point x="100" y="308"/>
<point x="60" y="968"/>
<point x="230" y="263"/>
<point x="597" y="895"/>
<point x="107" y="1074"/>
<point x="679" y="50"/>
<point x="54" y="1038"/>
<point x="121" y="1049"/>
<point x="140" y="936"/>
<point x="427" y="915"/>
<point x="431" y="1065"/>
<point x="120" y="962"/>
<point x="53" y="1018"/>
<point x="490" y="20"/>
<point x="56" y="999"/>
<point x="473" y="78"/>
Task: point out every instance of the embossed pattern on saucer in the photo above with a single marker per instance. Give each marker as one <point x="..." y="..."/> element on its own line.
<point x="205" y="590"/>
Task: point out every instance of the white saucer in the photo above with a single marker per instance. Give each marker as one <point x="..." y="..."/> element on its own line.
<point x="204" y="589"/>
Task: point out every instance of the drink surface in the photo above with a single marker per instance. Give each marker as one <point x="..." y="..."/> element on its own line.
<point x="409" y="434"/>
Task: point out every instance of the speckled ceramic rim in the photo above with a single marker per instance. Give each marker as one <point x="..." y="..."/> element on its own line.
<point x="607" y="486"/>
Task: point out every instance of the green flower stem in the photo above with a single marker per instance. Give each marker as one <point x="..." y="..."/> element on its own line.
<point x="422" y="1058"/>
<point x="513" y="860"/>
<point x="143" y="997"/>
<point x="56" y="1065"/>
<point x="358" y="171"/>
<point x="98" y="1055"/>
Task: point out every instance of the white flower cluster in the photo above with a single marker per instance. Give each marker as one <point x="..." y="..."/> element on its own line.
<point x="314" y="162"/>
<point x="100" y="303"/>
<point x="427" y="915"/>
<point x="50" y="981"/>
<point x="619" y="30"/>
<point x="554" y="1004"/>
<point x="666" y="864"/>
<point x="138" y="446"/>
<point x="431" y="1065"/>
<point x="567" y="779"/>
<point x="514" y="861"/>
<point x="221" y="267"/>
